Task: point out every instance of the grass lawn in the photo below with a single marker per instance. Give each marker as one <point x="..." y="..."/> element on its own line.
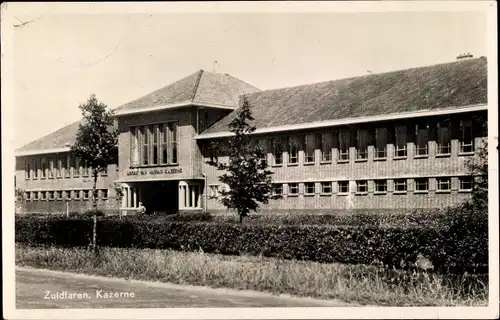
<point x="351" y="283"/>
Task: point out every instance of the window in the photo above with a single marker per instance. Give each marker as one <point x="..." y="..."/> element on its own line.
<point x="381" y="186"/>
<point x="466" y="138"/>
<point x="309" y="188"/>
<point x="35" y="168"/>
<point x="444" y="138"/>
<point x="293" y="189"/>
<point x="77" y="194"/>
<point x="422" y="184"/>
<point x="172" y="128"/>
<point x="84" y="172"/>
<point x="86" y="194"/>
<point x="43" y="195"/>
<point x="278" y="151"/>
<point x="326" y="147"/>
<point x="214" y="191"/>
<point x="104" y="171"/>
<point x="310" y="147"/>
<point x="380" y="143"/>
<point x="104" y="193"/>
<point x="75" y="166"/>
<point x="422" y="143"/>
<point x="51" y="168"/>
<point x="27" y="169"/>
<point x="44" y="168"/>
<point x="134" y="146"/>
<point x="59" y="195"/>
<point x="36" y="195"/>
<point x="443" y="184"/>
<point x="59" y="162"/>
<point x="262" y="143"/>
<point x="27" y="195"/>
<point x="400" y="185"/>
<point x="326" y="187"/>
<point x="293" y="150"/>
<point x="155" y="132"/>
<point x="344" y="145"/>
<point x="362" y="186"/>
<point x="67" y="195"/>
<point x="343" y="186"/>
<point x="66" y="166"/>
<point x="50" y="195"/>
<point x="466" y="183"/>
<point x="400" y="150"/>
<point x="153" y="144"/>
<point x="362" y="144"/>
<point x="278" y="188"/>
<point x="145" y="145"/>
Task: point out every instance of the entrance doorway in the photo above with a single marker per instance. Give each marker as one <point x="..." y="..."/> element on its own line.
<point x="160" y="196"/>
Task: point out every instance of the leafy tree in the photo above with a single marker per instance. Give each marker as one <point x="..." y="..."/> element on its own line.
<point x="478" y="168"/>
<point x="96" y="145"/>
<point x="246" y="175"/>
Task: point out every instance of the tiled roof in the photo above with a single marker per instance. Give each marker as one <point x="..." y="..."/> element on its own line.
<point x="199" y="87"/>
<point x="56" y="139"/>
<point x="456" y="84"/>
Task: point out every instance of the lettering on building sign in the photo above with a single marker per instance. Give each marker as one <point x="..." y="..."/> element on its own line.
<point x="153" y="172"/>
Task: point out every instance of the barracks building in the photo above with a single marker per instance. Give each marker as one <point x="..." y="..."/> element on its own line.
<point x="381" y="141"/>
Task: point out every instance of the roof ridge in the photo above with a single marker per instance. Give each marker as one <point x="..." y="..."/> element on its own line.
<point x="361" y="76"/>
<point x="197" y="84"/>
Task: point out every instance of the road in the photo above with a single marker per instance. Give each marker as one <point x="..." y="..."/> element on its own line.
<point x="44" y="289"/>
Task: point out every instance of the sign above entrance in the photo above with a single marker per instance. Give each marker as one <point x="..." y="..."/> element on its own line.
<point x="151" y="172"/>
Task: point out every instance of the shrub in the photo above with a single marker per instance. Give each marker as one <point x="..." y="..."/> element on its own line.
<point x="447" y="248"/>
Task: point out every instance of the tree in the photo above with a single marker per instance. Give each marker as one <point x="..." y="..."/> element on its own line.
<point x="478" y="168"/>
<point x="96" y="145"/>
<point x="246" y="175"/>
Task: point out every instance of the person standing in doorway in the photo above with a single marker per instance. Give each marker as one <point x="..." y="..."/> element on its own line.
<point x="141" y="209"/>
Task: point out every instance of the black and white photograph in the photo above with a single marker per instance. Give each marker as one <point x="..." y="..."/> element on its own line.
<point x="274" y="160"/>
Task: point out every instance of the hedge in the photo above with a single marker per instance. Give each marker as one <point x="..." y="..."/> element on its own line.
<point x="372" y="218"/>
<point x="454" y="249"/>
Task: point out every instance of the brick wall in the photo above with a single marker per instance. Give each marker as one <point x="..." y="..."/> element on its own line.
<point x="410" y="167"/>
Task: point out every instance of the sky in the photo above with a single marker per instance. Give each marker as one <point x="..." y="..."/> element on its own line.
<point x="59" y="60"/>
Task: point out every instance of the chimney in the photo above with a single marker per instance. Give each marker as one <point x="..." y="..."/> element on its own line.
<point x="467" y="55"/>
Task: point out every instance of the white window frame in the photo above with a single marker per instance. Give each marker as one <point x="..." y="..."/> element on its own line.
<point x="444" y="127"/>
<point x="326" y="147"/>
<point x="290" y="189"/>
<point x="381" y="134"/>
<point x="417" y="182"/>
<point x="401" y="147"/>
<point x="310" y="148"/>
<point x="400" y="182"/>
<point x="418" y="135"/>
<point x="361" y="183"/>
<point x="328" y="185"/>
<point x="308" y="192"/>
<point x="466" y="147"/>
<point x="440" y="182"/>
<point x="293" y="150"/>
<point x="460" y="183"/>
<point x="339" y="184"/>
<point x="344" y="136"/>
<point x="279" y="187"/>
<point x="377" y="183"/>
<point x="277" y="149"/>
<point x="361" y="144"/>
